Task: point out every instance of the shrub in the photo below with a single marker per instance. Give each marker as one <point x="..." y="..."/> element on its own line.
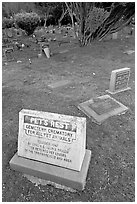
<point x="27" y="21"/>
<point x="93" y="21"/>
<point x="7" y="23"/>
<point x="96" y="18"/>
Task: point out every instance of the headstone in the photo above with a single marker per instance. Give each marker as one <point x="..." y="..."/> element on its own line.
<point x="52" y="138"/>
<point x="46" y="50"/>
<point x="119" y="81"/>
<point x="101" y="108"/>
<point x="52" y="146"/>
<point x="9" y="53"/>
<point x="114" y="36"/>
<point x="4" y="59"/>
<point x="42" y="45"/>
<point x="3" y="50"/>
<point x="9" y="33"/>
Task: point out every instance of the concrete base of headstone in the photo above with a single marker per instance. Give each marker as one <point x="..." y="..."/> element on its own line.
<point x="56" y="174"/>
<point x="115" y="92"/>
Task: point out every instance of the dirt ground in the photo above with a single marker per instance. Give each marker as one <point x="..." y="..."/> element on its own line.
<point x="111" y="172"/>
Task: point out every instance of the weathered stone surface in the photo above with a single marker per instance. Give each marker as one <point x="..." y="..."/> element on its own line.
<point x="52" y="138"/>
<point x="102" y="107"/>
<point x="119" y="81"/>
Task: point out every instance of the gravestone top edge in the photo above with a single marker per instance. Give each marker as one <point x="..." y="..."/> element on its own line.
<point x="50" y="114"/>
<point x="121" y="70"/>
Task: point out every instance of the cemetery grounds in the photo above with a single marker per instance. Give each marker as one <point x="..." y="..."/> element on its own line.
<point x="87" y="69"/>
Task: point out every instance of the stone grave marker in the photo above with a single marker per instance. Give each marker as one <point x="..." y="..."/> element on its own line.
<point x="60" y="83"/>
<point x="114" y="36"/>
<point x="52" y="138"/>
<point x="119" y="81"/>
<point x="9" y="33"/>
<point x="101" y="108"/>
<point x="52" y="146"/>
<point x="9" y="53"/>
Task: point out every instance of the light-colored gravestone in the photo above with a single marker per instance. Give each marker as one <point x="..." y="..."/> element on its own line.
<point x="52" y="146"/>
<point x="114" y="36"/>
<point x="119" y="80"/>
<point x="52" y="138"/>
<point x="101" y="108"/>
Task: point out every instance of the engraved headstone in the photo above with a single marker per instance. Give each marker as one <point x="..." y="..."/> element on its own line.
<point x="52" y="147"/>
<point x="119" y="80"/>
<point x="101" y="108"/>
<point x="9" y="33"/>
<point x="52" y="138"/>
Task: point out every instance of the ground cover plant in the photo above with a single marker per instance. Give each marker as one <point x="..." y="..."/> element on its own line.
<point x="111" y="172"/>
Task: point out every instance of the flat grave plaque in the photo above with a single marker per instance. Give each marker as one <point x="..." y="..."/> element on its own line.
<point x="101" y="108"/>
<point x="119" y="80"/>
<point x="59" y="84"/>
<point x="52" y="138"/>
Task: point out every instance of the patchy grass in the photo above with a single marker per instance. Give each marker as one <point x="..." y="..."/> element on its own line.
<point x="111" y="172"/>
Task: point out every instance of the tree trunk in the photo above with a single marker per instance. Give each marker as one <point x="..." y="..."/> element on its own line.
<point x="62" y="16"/>
<point x="70" y="10"/>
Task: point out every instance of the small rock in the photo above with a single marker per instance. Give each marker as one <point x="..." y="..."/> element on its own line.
<point x="129" y="52"/>
<point x="19" y="61"/>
